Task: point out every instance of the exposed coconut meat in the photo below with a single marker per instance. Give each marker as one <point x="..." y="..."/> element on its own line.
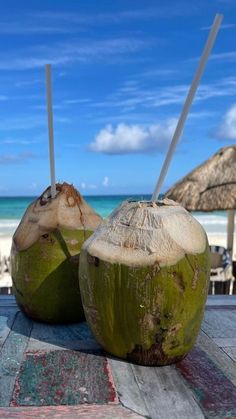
<point x="67" y="210"/>
<point x="144" y="233"/>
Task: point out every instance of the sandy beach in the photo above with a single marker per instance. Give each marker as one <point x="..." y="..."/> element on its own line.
<point x="5" y="248"/>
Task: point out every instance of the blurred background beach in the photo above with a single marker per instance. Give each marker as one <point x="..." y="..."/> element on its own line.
<point x="13" y="208"/>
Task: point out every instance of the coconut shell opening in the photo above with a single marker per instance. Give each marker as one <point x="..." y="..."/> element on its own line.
<point x="67" y="210"/>
<point x="141" y="233"/>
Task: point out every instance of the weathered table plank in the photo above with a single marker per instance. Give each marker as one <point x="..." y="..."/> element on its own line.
<point x="165" y="394"/>
<point x="7" y="301"/>
<point x="50" y="364"/>
<point x="127" y="387"/>
<point x="6" y="323"/>
<point x="221" y="300"/>
<point x="214" y="391"/>
<point x="69" y="412"/>
<point x="63" y="378"/>
<point x="220" y="323"/>
<point x="219" y="357"/>
<point x="231" y="351"/>
<point x="51" y="337"/>
<point x="225" y="342"/>
<point x="11" y="356"/>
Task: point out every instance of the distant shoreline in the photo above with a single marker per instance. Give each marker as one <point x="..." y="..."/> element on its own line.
<point x="86" y="196"/>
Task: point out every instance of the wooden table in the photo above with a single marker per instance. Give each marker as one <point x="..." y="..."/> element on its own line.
<point x="60" y="371"/>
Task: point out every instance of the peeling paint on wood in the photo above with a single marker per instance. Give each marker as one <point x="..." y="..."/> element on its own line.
<point x="213" y="390"/>
<point x="11" y="356"/>
<point x="61" y="364"/>
<point x="63" y="378"/>
<point x="70" y="412"/>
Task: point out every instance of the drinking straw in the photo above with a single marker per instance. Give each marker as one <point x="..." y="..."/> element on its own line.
<point x="50" y="129"/>
<point x="188" y="102"/>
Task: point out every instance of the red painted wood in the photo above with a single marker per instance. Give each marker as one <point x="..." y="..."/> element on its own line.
<point x="69" y="412"/>
<point x="63" y="378"/>
<point x="215" y="393"/>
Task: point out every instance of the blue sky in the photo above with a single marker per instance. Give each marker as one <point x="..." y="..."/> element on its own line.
<point x="120" y="72"/>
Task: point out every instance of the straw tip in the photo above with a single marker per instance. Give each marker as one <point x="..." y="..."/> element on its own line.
<point x="219" y="16"/>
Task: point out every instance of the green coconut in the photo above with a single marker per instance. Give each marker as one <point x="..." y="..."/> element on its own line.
<point x="144" y="281"/>
<point x="45" y="255"/>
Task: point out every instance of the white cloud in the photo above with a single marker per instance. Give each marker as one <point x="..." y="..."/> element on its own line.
<point x="133" y="138"/>
<point x="81" y="20"/>
<point x="16" y="158"/>
<point x="13" y="28"/>
<point x="134" y="97"/>
<point x="33" y="186"/>
<point x="63" y="22"/>
<point x="105" y="181"/>
<point x="18" y="141"/>
<point x="229" y="56"/>
<point x="159" y="72"/>
<point x="69" y="52"/>
<point x="28" y="122"/>
<point x="89" y="186"/>
<point x="75" y="101"/>
<point x="227" y="129"/>
<point x="224" y="26"/>
<point x="28" y="82"/>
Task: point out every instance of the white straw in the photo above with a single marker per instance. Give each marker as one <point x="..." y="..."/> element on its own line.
<point x="188" y="102"/>
<point x="50" y="129"/>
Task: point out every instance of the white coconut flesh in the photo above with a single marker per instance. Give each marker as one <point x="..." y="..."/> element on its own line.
<point x="67" y="210"/>
<point x="144" y="233"/>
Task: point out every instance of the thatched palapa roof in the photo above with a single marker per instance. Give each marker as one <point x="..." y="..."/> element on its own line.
<point x="211" y="186"/>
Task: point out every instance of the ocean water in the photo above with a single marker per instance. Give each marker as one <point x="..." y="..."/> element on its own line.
<point x="13" y="208"/>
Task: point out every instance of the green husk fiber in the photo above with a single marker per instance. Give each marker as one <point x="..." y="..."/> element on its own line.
<point x="150" y="315"/>
<point x="45" y="276"/>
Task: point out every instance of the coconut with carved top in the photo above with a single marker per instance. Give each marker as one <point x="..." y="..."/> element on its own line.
<point x="45" y="255"/>
<point x="144" y="280"/>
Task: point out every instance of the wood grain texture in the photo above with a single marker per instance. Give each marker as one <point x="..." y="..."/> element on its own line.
<point x="214" y="391"/>
<point x="11" y="356"/>
<point x="218" y="356"/>
<point x="221" y="300"/>
<point x="220" y="323"/>
<point x="231" y="352"/>
<point x="150" y="392"/>
<point x="69" y="412"/>
<point x="225" y="342"/>
<point x="127" y="387"/>
<point x="63" y="378"/>
<point x="165" y="394"/>
<point x="6" y="323"/>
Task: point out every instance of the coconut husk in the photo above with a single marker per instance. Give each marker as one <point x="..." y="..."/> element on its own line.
<point x="67" y="210"/>
<point x="144" y="233"/>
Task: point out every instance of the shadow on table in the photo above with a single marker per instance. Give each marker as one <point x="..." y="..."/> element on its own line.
<point x="45" y="337"/>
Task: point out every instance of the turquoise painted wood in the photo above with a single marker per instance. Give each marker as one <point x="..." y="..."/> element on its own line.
<point x="61" y="371"/>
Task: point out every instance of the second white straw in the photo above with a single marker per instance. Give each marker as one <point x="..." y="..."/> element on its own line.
<point x="50" y="129"/>
<point x="188" y="102"/>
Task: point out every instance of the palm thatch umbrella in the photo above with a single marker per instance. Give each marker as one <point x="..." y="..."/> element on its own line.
<point x="211" y="186"/>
